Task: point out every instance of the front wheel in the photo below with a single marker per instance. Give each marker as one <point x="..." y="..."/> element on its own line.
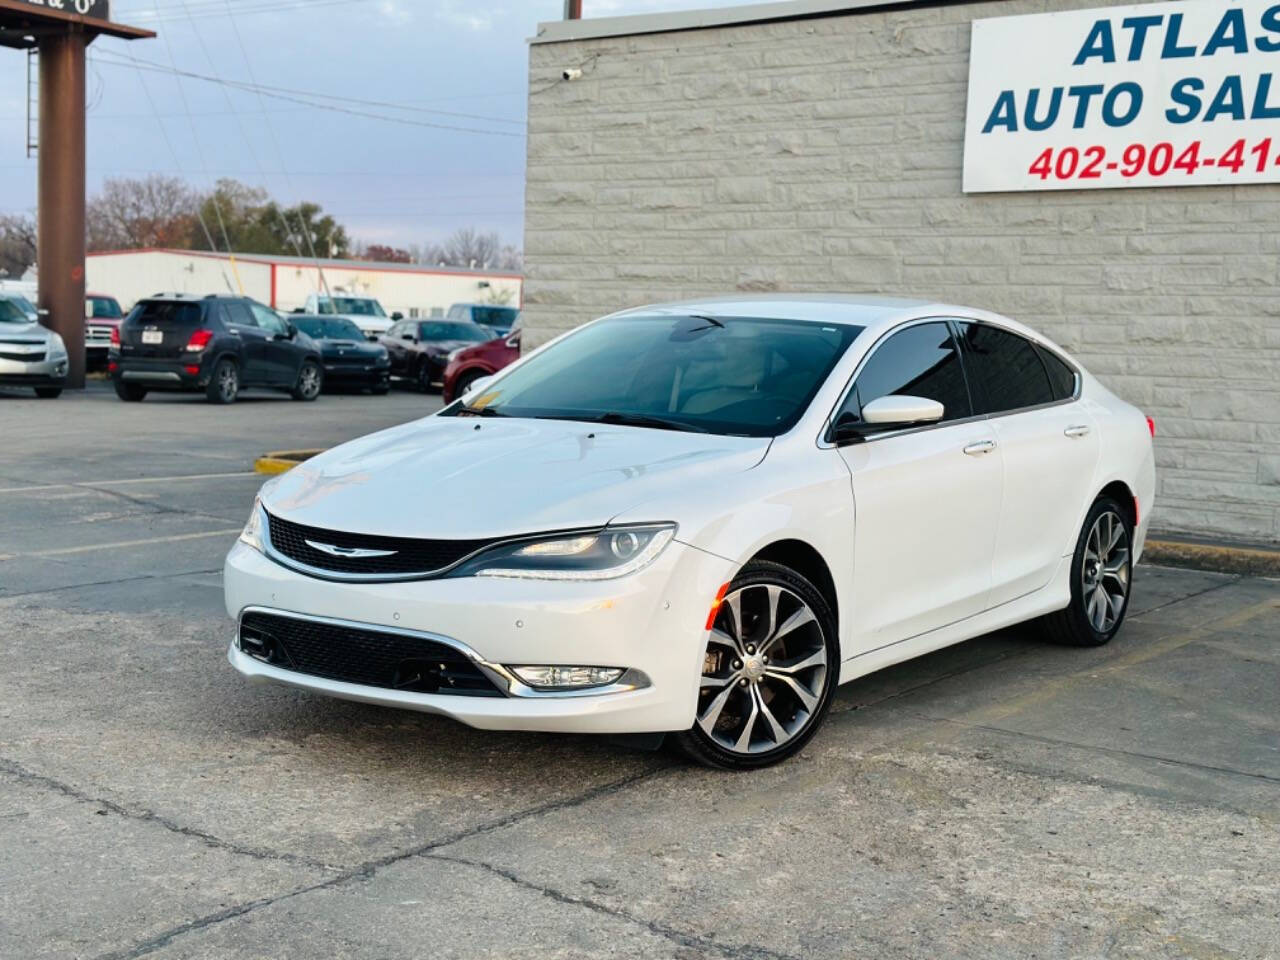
<point x="423" y="377"/>
<point x="768" y="674"/>
<point x="309" y="382"/>
<point x="1101" y="574"/>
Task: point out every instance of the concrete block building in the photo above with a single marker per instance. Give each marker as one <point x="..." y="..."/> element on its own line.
<point x="820" y="146"/>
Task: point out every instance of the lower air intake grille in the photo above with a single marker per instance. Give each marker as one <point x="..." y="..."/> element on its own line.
<point x="399" y="556"/>
<point x="361" y="655"/>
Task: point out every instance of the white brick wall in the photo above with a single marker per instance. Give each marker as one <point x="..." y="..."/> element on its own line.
<point x="825" y="155"/>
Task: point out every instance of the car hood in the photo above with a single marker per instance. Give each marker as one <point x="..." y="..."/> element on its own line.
<point x="465" y="478"/>
<point x="364" y="321"/>
<point x="348" y="347"/>
<point x="23" y="333"/>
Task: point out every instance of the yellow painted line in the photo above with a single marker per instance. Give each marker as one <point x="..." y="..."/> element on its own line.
<point x="121" y="544"/>
<point x="119" y="483"/>
<point x="282" y="461"/>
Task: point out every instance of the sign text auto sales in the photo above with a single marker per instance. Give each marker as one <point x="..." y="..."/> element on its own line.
<point x="1160" y="94"/>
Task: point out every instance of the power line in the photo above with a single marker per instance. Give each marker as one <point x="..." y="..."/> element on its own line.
<point x="333" y="108"/>
<point x="206" y="11"/>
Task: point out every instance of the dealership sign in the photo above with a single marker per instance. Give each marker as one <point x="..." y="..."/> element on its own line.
<point x="1151" y="95"/>
<point x="85" y="8"/>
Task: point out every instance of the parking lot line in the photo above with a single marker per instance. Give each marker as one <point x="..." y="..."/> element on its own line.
<point x="121" y="544"/>
<point x="130" y="480"/>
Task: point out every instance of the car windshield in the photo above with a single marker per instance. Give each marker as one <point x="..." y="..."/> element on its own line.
<point x="730" y="375"/>
<point x="444" y="330"/>
<point x="11" y="312"/>
<point x="353" y="306"/>
<point x="26" y="305"/>
<point x="330" y="328"/>
<point x="104" y="307"/>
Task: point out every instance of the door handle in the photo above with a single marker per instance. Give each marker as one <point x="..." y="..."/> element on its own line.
<point x="979" y="448"/>
<point x="1080" y="430"/>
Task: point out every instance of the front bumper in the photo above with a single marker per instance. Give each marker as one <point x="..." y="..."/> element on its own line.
<point x="368" y="373"/>
<point x="652" y="621"/>
<point x="46" y="372"/>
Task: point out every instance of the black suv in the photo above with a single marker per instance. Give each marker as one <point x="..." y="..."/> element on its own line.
<point x="217" y="344"/>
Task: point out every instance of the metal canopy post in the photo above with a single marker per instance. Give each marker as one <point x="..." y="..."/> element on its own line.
<point x="60" y="242"/>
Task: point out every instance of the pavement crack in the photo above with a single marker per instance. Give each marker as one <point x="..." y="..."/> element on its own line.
<point x="154" y="506"/>
<point x="1190" y="596"/>
<point x="367" y="870"/>
<point x="680" y="937"/>
<point x="108" y="583"/>
<point x="1110" y="751"/>
<point x="30" y="778"/>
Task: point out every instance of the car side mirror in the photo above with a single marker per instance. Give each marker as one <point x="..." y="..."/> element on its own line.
<point x="42" y="312"/>
<point x="886" y="413"/>
<point x="291" y="329"/>
<point x="477" y="386"/>
<point x="397" y="315"/>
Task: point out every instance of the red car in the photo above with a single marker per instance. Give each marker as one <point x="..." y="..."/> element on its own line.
<point x="102" y="315"/>
<point x="484" y="359"/>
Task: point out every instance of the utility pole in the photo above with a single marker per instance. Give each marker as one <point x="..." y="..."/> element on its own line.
<point x="573" y="9"/>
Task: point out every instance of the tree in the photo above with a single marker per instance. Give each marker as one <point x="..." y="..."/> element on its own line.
<point x="254" y="223"/>
<point x="156" y="211"/>
<point x="471" y="249"/>
<point x="381" y="253"/>
<point x="17" y="244"/>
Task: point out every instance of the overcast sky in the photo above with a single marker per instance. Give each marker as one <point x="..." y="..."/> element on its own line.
<point x="397" y="182"/>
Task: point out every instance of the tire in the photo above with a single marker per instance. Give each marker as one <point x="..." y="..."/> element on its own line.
<point x="48" y="393"/>
<point x="752" y="714"/>
<point x="423" y="376"/>
<point x="1101" y="579"/>
<point x="310" y="381"/>
<point x="130" y="392"/>
<point x="224" y="385"/>
<point x="464" y="382"/>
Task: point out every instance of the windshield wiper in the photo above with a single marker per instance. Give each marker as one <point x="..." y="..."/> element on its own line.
<point x="644" y="420"/>
<point x="465" y="411"/>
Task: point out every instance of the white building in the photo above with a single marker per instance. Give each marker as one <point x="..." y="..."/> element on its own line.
<point x="285" y="282"/>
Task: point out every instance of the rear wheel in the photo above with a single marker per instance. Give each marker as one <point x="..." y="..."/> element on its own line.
<point x="48" y="393"/>
<point x="309" y="381"/>
<point x="1101" y="574"/>
<point x="464" y="382"/>
<point x="424" y="376"/>
<point x="768" y="674"/>
<point x="130" y="392"/>
<point x="224" y="385"/>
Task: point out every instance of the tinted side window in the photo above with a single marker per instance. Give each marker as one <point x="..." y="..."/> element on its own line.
<point x="920" y="361"/>
<point x="1062" y="377"/>
<point x="1005" y="368"/>
<point x="238" y="314"/>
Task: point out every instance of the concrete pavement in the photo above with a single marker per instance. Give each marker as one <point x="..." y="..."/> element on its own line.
<point x="1004" y="798"/>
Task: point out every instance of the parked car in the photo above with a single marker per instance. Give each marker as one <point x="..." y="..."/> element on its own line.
<point x="420" y="348"/>
<point x="349" y="359"/>
<point x="501" y="320"/>
<point x="31" y="355"/>
<point x="365" y="312"/>
<point x="659" y="533"/>
<point x="215" y="344"/>
<point x="102" y="314"/>
<point x="469" y="364"/>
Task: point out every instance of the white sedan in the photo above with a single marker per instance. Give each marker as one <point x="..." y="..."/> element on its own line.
<point x="697" y="519"/>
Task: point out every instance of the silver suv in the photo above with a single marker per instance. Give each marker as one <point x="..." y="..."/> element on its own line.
<point x="30" y="355"/>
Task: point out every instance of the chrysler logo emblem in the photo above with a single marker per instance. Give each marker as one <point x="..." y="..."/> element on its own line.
<point x="354" y="552"/>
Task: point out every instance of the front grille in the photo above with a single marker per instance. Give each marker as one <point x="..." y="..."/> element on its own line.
<point x="98" y="333"/>
<point x="406" y="556"/>
<point x="362" y="655"/>
<point x="23" y="357"/>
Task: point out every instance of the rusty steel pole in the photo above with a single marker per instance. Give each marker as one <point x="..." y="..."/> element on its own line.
<point x="573" y="9"/>
<point x="61" y="239"/>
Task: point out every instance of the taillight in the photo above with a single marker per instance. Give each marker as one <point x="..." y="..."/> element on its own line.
<point x="112" y="367"/>
<point x="193" y="370"/>
<point x="1151" y="425"/>
<point x="115" y="336"/>
<point x="199" y="340"/>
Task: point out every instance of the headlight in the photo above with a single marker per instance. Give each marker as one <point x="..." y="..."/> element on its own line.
<point x="251" y="535"/>
<point x="57" y="348"/>
<point x="612" y="552"/>
<point x="454" y="354"/>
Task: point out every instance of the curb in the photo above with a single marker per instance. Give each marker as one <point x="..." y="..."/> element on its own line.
<point x="1219" y="558"/>
<point x="282" y="460"/>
